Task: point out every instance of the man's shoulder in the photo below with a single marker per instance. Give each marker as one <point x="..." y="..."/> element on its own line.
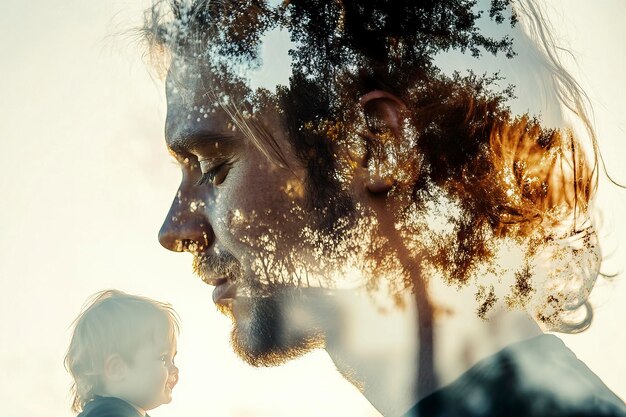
<point x="550" y="380"/>
<point x="109" y="407"/>
<point x="537" y="377"/>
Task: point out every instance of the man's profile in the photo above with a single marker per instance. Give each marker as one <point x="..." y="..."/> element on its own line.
<point x="406" y="219"/>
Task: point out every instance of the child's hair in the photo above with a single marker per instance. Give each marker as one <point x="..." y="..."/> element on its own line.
<point x="112" y="321"/>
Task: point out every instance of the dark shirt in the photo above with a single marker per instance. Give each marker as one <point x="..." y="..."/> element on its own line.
<point x="109" y="407"/>
<point x="537" y="377"/>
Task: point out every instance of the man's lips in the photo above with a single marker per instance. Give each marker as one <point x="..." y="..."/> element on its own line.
<point x="224" y="290"/>
<point x="216" y="282"/>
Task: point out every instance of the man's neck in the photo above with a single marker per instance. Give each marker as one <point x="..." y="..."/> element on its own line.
<point x="378" y="351"/>
<point x="373" y="350"/>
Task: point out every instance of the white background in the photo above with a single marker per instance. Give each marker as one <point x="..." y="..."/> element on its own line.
<point x="86" y="181"/>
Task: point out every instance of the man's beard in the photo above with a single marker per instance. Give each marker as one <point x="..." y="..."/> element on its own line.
<point x="274" y="322"/>
<point x="272" y="330"/>
<point x="287" y="321"/>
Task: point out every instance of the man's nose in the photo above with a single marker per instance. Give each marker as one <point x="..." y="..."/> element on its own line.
<point x="186" y="228"/>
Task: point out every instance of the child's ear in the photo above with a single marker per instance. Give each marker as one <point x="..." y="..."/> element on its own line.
<point x="115" y="367"/>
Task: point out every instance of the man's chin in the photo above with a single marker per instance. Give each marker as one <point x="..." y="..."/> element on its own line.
<point x="263" y="334"/>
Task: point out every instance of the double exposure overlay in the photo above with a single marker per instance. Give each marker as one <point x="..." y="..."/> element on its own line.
<point x="374" y="182"/>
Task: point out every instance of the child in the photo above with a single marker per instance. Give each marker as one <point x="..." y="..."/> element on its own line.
<point x="121" y="356"/>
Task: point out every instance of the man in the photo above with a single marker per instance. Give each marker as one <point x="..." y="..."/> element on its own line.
<point x="411" y="222"/>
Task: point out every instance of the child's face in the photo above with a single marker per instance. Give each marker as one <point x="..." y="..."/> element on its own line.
<point x="151" y="378"/>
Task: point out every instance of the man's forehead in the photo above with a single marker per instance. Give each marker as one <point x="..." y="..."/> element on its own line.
<point x="190" y="110"/>
<point x="208" y="107"/>
<point x="188" y="129"/>
<point x="191" y="126"/>
<point x="185" y="90"/>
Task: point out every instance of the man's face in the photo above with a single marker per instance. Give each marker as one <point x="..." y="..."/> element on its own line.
<point x="245" y="220"/>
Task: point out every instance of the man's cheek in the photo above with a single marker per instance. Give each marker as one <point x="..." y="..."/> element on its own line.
<point x="248" y="227"/>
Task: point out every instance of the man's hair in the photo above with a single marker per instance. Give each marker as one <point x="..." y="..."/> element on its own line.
<point x="510" y="176"/>
<point x="112" y="321"/>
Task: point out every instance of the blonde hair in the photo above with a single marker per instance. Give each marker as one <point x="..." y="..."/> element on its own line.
<point x="112" y="321"/>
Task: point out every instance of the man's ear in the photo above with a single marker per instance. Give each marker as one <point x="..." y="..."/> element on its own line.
<point x="115" y="367"/>
<point x="384" y="116"/>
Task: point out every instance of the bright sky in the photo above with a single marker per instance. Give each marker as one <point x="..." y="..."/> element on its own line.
<point x="86" y="183"/>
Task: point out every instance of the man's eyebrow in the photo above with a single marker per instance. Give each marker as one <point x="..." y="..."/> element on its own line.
<point x="187" y="141"/>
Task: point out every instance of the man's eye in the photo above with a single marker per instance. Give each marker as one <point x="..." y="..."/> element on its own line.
<point x="215" y="175"/>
